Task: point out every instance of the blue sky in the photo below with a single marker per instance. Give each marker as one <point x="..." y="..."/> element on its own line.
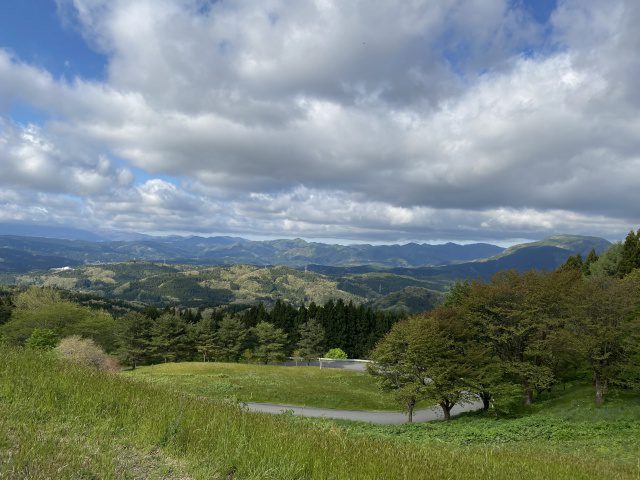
<point x="361" y="121"/>
<point x="36" y="32"/>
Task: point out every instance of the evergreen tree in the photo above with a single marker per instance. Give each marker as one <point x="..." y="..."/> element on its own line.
<point x="591" y="259"/>
<point x="270" y="342"/>
<point x="630" y="255"/>
<point x="311" y="343"/>
<point x="205" y="338"/>
<point x="170" y="340"/>
<point x="574" y="262"/>
<point x="134" y="339"/>
<point x="229" y="339"/>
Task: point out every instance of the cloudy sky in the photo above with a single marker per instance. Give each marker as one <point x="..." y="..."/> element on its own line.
<point x="329" y="119"/>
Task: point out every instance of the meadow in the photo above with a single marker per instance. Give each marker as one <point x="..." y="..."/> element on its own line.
<point x="563" y="421"/>
<point x="303" y="386"/>
<point x="59" y="420"/>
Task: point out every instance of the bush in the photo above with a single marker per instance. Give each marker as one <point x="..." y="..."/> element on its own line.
<point x="336" y="353"/>
<point x="42" y="339"/>
<point x="86" y="352"/>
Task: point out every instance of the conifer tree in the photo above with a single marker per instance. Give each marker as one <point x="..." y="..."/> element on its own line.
<point x="229" y="339"/>
<point x="311" y="343"/>
<point x="271" y="342"/>
<point x="134" y="339"/>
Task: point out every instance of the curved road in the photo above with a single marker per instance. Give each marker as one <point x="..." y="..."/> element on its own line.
<point x="382" y="418"/>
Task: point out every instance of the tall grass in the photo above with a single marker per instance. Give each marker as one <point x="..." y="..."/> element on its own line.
<point x="58" y="420"/>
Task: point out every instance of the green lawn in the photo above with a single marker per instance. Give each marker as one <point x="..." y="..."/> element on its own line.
<point x="304" y="386"/>
<point x="61" y="421"/>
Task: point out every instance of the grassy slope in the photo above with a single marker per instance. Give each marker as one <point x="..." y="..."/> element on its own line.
<point x="60" y="421"/>
<point x="563" y="422"/>
<point x="305" y="386"/>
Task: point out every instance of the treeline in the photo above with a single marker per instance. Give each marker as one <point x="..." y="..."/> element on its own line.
<point x="518" y="335"/>
<point x="43" y="316"/>
<point x="619" y="260"/>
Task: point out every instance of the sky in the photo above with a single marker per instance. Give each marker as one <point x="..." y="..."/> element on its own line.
<point x="350" y="121"/>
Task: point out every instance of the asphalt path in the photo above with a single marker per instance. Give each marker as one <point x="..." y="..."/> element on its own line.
<point x="381" y="418"/>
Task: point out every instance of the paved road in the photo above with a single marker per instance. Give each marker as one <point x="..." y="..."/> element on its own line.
<point x="382" y="418"/>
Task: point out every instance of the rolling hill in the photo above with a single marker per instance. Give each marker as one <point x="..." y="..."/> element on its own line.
<point x="412" y="289"/>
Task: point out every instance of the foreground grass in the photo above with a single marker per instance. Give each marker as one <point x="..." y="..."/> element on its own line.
<point x="565" y="421"/>
<point x="304" y="386"/>
<point x="61" y="421"/>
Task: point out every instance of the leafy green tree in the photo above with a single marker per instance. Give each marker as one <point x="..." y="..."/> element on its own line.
<point x="44" y="308"/>
<point x="420" y="360"/>
<point x="311" y="343"/>
<point x="229" y="339"/>
<point x="337" y="353"/>
<point x="134" y="339"/>
<point x="270" y="342"/>
<point x="486" y="375"/>
<point x="606" y="327"/>
<point x="42" y="339"/>
<point x="395" y="374"/>
<point x="608" y="264"/>
<point x="511" y="314"/>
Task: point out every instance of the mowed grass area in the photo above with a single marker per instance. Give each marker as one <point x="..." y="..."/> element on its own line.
<point x="304" y="386"/>
<point x="564" y="421"/>
<point x="61" y="421"/>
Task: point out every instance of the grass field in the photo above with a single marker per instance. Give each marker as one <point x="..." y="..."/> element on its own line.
<point x="61" y="421"/>
<point x="565" y="421"/>
<point x="304" y="386"/>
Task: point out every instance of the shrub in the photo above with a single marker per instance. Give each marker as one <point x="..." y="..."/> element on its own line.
<point x="42" y="339"/>
<point x="86" y="352"/>
<point x="336" y="353"/>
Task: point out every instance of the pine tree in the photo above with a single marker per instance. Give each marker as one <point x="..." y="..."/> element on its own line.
<point x="229" y="339"/>
<point x="205" y="338"/>
<point x="134" y="339"/>
<point x="271" y="342"/>
<point x="170" y="340"/>
<point x="311" y="343"/>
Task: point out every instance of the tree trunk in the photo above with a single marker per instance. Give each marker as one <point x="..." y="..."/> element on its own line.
<point x="446" y="410"/>
<point x="527" y="393"/>
<point x="410" y="406"/>
<point x="600" y="386"/>
<point x="486" y="400"/>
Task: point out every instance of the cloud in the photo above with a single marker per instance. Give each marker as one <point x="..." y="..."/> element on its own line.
<point x="373" y="120"/>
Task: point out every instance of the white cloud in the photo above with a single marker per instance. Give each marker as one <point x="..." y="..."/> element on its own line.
<point x="369" y="119"/>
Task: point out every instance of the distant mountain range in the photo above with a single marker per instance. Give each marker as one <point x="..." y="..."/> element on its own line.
<point x="208" y="271"/>
<point x="56" y="252"/>
<point x="25" y="253"/>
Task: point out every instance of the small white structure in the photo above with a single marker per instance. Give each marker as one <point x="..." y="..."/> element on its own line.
<point x="344" y="363"/>
<point x="61" y="269"/>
